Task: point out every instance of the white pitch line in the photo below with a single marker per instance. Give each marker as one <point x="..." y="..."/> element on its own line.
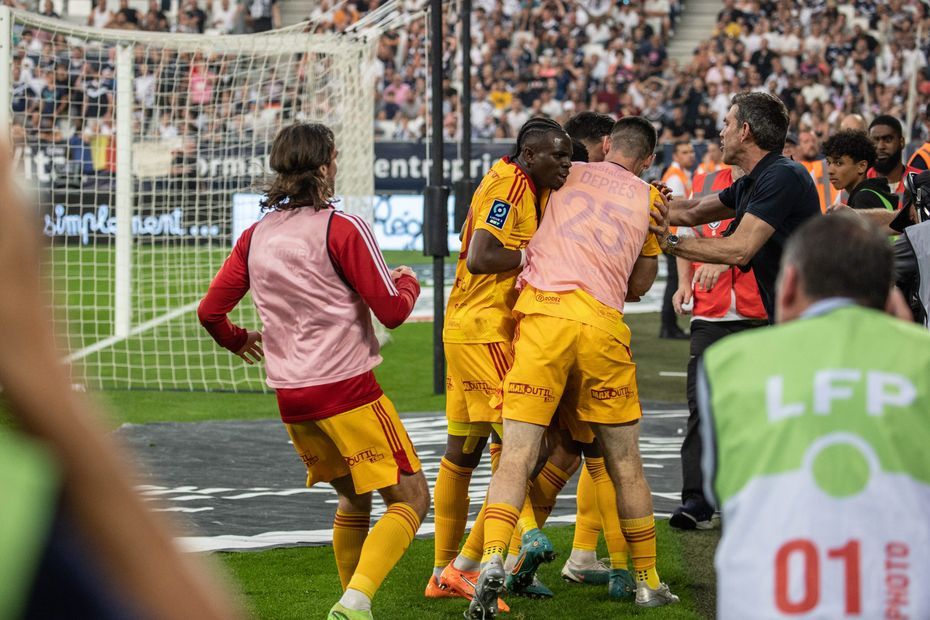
<point x="672" y="373"/>
<point x="138" y="329"/>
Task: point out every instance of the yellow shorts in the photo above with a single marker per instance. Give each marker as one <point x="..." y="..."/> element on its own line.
<point x="369" y="443"/>
<point x="555" y="357"/>
<point x="473" y="375"/>
<point x="567" y="420"/>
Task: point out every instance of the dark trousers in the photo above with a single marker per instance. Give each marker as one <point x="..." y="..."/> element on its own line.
<point x="669" y="318"/>
<point x="703" y="334"/>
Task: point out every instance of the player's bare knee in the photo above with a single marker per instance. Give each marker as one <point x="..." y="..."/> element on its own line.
<point x="412" y="490"/>
<point x="464" y="451"/>
<point x="562" y="456"/>
<point x="349" y="500"/>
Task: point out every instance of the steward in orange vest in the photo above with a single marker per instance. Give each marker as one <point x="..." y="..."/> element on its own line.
<point x="825" y="191"/>
<point x="920" y="160"/>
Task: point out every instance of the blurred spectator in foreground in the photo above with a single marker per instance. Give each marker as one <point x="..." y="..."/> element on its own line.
<point x="83" y="543"/>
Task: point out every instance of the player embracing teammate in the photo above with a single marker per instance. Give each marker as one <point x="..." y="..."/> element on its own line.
<point x="592" y="249"/>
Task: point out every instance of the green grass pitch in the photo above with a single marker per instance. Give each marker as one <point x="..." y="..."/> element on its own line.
<point x="179" y="358"/>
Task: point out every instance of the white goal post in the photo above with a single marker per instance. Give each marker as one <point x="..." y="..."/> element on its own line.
<point x="146" y="152"/>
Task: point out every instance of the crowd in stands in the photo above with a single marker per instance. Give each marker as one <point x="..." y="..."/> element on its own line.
<point x="824" y="59"/>
<point x="546" y="57"/>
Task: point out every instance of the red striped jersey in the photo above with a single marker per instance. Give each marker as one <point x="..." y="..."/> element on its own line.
<point x="480" y="305"/>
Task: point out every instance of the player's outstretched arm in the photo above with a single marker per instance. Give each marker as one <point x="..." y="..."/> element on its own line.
<point x="696" y="211"/>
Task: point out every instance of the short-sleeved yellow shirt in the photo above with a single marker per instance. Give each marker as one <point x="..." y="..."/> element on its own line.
<point x="480" y="306"/>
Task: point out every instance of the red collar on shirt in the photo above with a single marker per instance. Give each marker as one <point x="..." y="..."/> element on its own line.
<point x="521" y="171"/>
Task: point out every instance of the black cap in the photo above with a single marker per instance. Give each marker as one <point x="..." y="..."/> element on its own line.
<point x="792" y="138"/>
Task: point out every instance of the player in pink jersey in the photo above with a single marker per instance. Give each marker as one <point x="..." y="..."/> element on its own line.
<point x="593" y="250"/>
<point x="316" y="274"/>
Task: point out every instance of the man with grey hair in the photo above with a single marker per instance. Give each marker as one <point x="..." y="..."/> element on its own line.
<point x="816" y="451"/>
<point x="770" y="202"/>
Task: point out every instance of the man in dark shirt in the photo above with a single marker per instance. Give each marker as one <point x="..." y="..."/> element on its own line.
<point x="768" y="204"/>
<point x="850" y="153"/>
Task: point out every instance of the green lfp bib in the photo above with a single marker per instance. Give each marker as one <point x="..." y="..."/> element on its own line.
<point x="28" y="488"/>
<point x="819" y="457"/>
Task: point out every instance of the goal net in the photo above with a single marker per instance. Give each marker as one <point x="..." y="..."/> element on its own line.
<point x="145" y="152"/>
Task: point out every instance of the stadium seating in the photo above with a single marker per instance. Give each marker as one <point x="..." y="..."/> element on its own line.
<point x="557" y="58"/>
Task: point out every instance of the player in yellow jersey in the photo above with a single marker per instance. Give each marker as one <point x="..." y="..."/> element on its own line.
<point x="595" y="498"/>
<point x="593" y="251"/>
<point x="479" y="328"/>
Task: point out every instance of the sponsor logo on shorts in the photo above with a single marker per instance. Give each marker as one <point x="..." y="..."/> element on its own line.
<point x="531" y="390"/>
<point x="370" y="455"/>
<point x="548" y="299"/>
<point x="478" y="386"/>
<point x="449" y="384"/>
<point x="612" y="393"/>
<point x="309" y="459"/>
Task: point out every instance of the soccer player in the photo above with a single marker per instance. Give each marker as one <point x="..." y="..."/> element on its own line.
<point x="479" y="327"/>
<point x="849" y="155"/>
<point x="595" y="496"/>
<point x="315" y="274"/>
<point x="592" y="250"/>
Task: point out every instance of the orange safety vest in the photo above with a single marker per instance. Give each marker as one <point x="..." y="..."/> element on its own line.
<point x="708" y="168"/>
<point x="923" y="152"/>
<point x="733" y="284"/>
<point x="825" y="190"/>
<point x="676" y="171"/>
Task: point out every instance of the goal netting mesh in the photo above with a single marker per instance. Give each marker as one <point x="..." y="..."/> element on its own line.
<point x="146" y="152"/>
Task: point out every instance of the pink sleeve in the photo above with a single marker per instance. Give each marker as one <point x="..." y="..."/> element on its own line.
<point x="357" y="258"/>
<point x="228" y="287"/>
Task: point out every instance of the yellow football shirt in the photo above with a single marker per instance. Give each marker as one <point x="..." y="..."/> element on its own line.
<point x="480" y="305"/>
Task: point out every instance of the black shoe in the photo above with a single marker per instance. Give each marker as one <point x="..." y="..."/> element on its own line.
<point x="673" y="333"/>
<point x="694" y="514"/>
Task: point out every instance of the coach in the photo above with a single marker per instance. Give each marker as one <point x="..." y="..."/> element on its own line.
<point x="770" y="202"/>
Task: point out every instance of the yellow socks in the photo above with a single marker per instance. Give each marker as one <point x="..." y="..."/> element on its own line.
<point x="499" y="523"/>
<point x="473" y="548"/>
<point x="641" y="536"/>
<point x="546" y="487"/>
<point x="350" y="529"/>
<point x="495" y="450"/>
<point x="587" y="519"/>
<point x="606" y="496"/>
<point x="386" y="544"/>
<point x="450" y="504"/>
<point x="525" y="523"/>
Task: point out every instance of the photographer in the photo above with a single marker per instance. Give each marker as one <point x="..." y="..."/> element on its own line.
<point x="912" y="249"/>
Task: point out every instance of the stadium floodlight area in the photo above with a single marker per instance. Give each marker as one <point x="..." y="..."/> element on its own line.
<point x="146" y="152"/>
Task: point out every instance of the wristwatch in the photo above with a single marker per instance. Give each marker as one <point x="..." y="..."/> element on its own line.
<point x="672" y="240"/>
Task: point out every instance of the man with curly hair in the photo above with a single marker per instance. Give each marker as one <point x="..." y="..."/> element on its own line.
<point x="850" y="153"/>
